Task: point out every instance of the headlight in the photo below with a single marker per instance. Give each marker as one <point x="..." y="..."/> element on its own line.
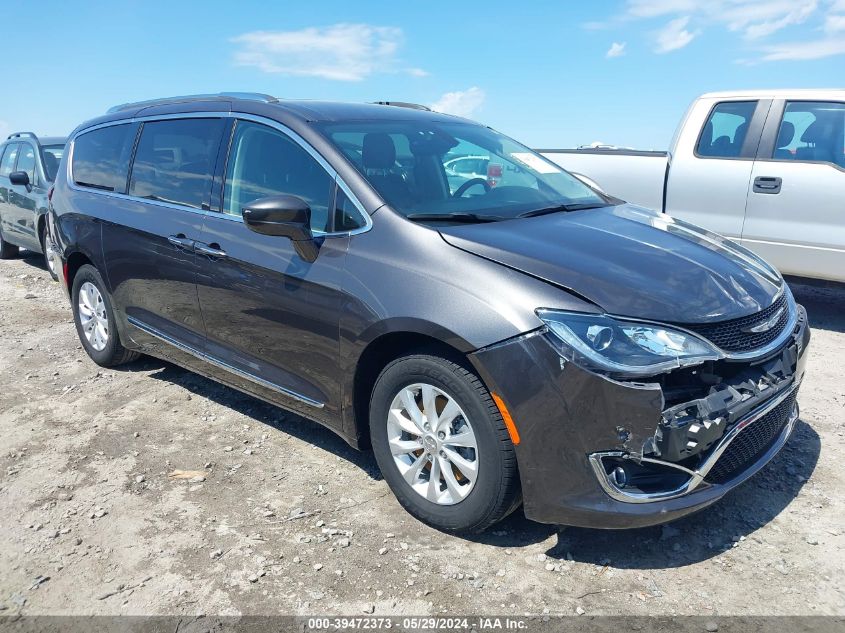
<point x="602" y="343"/>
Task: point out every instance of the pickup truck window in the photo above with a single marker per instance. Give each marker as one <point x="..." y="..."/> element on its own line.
<point x="725" y="130"/>
<point x="812" y="131"/>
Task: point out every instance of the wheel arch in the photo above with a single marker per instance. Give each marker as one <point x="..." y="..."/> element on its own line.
<point x="380" y="350"/>
<point x="41" y="225"/>
<point x="72" y="263"/>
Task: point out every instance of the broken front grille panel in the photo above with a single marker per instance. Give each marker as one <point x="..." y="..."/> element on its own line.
<point x="752" y="442"/>
<point x="690" y="429"/>
<point x="737" y="335"/>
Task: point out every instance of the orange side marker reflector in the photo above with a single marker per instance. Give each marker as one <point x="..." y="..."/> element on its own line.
<point x="506" y="416"/>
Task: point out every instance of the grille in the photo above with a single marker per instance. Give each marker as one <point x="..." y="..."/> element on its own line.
<point x="751" y="443"/>
<point x="729" y="335"/>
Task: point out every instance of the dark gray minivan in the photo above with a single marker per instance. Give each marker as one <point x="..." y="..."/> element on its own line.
<point x="515" y="337"/>
<point x="28" y="166"/>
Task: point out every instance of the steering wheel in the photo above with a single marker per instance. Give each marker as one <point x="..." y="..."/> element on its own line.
<point x="460" y="191"/>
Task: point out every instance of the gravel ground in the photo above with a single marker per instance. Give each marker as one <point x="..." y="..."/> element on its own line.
<point x="272" y="514"/>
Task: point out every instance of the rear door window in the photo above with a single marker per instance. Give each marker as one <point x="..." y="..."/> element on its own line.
<point x="265" y="162"/>
<point x="10" y="155"/>
<point x="175" y="161"/>
<point x="812" y="131"/>
<point x="726" y="129"/>
<point x="101" y="157"/>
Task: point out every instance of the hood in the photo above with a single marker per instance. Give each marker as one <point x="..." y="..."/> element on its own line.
<point x="630" y="262"/>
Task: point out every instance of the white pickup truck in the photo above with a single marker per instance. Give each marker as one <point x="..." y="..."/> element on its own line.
<point x="765" y="168"/>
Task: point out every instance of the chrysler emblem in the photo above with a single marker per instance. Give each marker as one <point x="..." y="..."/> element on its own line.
<point x="766" y="325"/>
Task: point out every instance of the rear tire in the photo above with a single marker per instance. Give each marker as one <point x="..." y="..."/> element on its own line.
<point x="7" y="251"/>
<point x="95" y="321"/>
<point x="477" y="482"/>
<point x="48" y="260"/>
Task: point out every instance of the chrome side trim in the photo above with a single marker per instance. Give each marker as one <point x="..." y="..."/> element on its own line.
<point x="696" y="477"/>
<point x="243" y="116"/>
<point x="219" y="363"/>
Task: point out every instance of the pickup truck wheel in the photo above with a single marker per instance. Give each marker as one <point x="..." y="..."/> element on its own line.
<point x="47" y="249"/>
<point x="442" y="445"/>
<point x="95" y="322"/>
<point x="7" y="251"/>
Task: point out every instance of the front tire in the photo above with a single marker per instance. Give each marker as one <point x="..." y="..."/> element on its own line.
<point x="95" y="321"/>
<point x="441" y="444"/>
<point x="7" y="251"/>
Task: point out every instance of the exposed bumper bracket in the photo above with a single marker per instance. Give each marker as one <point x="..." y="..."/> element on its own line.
<point x="697" y="476"/>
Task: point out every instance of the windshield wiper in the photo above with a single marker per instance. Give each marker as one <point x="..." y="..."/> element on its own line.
<point x="454" y="217"/>
<point x="563" y="207"/>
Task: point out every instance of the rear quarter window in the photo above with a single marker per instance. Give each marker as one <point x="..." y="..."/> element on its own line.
<point x="101" y="157"/>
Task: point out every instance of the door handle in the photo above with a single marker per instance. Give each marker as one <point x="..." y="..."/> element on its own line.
<point x="180" y="241"/>
<point x="767" y="184"/>
<point x="212" y="250"/>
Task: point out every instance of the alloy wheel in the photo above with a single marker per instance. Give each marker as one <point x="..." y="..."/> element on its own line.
<point x="92" y="316"/>
<point x="433" y="444"/>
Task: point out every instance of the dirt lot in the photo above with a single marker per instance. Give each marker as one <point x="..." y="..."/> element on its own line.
<point x="288" y="519"/>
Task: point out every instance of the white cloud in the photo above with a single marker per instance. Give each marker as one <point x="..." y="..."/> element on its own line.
<point x="657" y="8"/>
<point x="801" y="51"/>
<point x="461" y="103"/>
<point x="674" y="35"/>
<point x="755" y="18"/>
<point x="617" y="49"/>
<point x="343" y="52"/>
<point x="834" y="23"/>
<point x="757" y="21"/>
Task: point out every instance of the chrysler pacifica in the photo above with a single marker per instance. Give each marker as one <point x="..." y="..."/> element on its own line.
<point x="513" y="337"/>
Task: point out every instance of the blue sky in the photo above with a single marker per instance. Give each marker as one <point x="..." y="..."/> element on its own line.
<point x="551" y="74"/>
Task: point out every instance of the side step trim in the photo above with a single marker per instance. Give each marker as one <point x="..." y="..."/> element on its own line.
<point x="219" y="363"/>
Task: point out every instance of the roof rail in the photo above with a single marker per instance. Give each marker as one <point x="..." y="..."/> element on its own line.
<point x="403" y="104"/>
<point x="20" y="134"/>
<point x="251" y="96"/>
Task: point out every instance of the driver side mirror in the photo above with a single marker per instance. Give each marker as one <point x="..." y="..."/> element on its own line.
<point x="283" y="216"/>
<point x="20" y="178"/>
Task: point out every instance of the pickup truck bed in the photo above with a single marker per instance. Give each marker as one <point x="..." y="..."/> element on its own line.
<point x="645" y="171"/>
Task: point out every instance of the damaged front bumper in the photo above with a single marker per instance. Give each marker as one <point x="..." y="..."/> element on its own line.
<point x="611" y="472"/>
<point x="597" y="452"/>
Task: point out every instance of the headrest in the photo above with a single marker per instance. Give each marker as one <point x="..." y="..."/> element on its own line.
<point x="815" y="133"/>
<point x="786" y="134"/>
<point x="378" y="151"/>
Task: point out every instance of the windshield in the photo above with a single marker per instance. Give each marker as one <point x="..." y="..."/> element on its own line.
<point x="467" y="172"/>
<point x="52" y="156"/>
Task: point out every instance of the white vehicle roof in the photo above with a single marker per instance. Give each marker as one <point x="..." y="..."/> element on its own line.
<point x="821" y="94"/>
